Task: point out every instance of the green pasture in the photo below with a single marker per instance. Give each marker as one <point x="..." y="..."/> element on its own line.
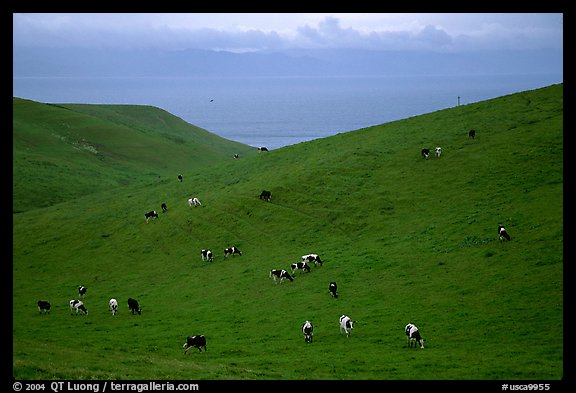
<point x="406" y="239"/>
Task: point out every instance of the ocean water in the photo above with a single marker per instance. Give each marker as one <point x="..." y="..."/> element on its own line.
<point x="280" y="111"/>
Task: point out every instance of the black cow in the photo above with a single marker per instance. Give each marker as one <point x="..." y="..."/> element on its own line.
<point x="133" y="306"/>
<point x="180" y="178"/>
<point x="262" y="148"/>
<point x="206" y="255"/>
<point x="164" y="207"/>
<point x="280" y="274"/>
<point x="300" y="266"/>
<point x="425" y="153"/>
<point x="195" y="341"/>
<point x="502" y="233"/>
<point x="81" y="291"/>
<point x="43" y="306"/>
<point x="266" y="195"/>
<point x="232" y="251"/>
<point x="308" y="330"/>
<point x="150" y="215"/>
<point x="333" y="288"/>
<point x="472" y="134"/>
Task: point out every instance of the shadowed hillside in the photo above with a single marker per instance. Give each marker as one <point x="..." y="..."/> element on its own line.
<point x="406" y="239"/>
<point x="69" y="150"/>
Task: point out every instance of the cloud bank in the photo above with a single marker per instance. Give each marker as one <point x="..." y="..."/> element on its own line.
<point x="444" y="32"/>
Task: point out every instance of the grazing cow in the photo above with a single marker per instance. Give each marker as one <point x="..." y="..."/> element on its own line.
<point x="206" y="255"/>
<point x="502" y="233"/>
<point x="133" y="306"/>
<point x="150" y="214"/>
<point x="314" y="258"/>
<point x="113" y="304"/>
<point x="77" y="306"/>
<point x="308" y="331"/>
<point x="300" y="266"/>
<point x="413" y="336"/>
<point x="164" y="207"/>
<point x="438" y="151"/>
<point x="194" y="202"/>
<point x="195" y="341"/>
<point x="262" y="148"/>
<point x="236" y="156"/>
<point x="425" y="153"/>
<point x="266" y="195"/>
<point x="472" y="134"/>
<point x="332" y="288"/>
<point x="280" y="274"/>
<point x="180" y="178"/>
<point x="232" y="251"/>
<point x="346" y="324"/>
<point x="43" y="306"/>
<point x="81" y="291"/>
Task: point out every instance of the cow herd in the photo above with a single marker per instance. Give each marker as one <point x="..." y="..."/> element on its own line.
<point x="425" y="153"/>
<point x="77" y="306"/>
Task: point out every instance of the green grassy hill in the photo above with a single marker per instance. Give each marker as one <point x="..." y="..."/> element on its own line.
<point x="64" y="151"/>
<point x="406" y="239"/>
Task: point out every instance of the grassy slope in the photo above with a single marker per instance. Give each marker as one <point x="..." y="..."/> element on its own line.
<point x="61" y="152"/>
<point x="406" y="240"/>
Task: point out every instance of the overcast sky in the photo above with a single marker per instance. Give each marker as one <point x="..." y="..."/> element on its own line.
<point x="241" y="32"/>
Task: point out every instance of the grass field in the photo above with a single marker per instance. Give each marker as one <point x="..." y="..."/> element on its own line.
<point x="406" y="239"/>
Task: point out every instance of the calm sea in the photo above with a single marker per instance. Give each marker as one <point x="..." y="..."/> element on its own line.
<point x="280" y="111"/>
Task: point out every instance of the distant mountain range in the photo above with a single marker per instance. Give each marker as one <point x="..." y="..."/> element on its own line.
<point x="72" y="62"/>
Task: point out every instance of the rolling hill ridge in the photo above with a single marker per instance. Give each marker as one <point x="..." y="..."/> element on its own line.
<point x="406" y="239"/>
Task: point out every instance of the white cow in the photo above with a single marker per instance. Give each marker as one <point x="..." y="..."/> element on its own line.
<point x="194" y="202"/>
<point x="77" y="306"/>
<point x="308" y="331"/>
<point x="113" y="303"/>
<point x="314" y="258"/>
<point x="413" y="336"/>
<point x="346" y="324"/>
<point x="438" y="151"/>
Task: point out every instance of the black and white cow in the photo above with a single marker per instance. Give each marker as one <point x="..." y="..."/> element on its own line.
<point x="472" y="134"/>
<point x="502" y="233"/>
<point x="425" y="153"/>
<point x="438" y="151"/>
<point x="236" y="156"/>
<point x="150" y="214"/>
<point x="206" y="255"/>
<point x="180" y="178"/>
<point x="76" y="307"/>
<point x="314" y="258"/>
<point x="266" y="195"/>
<point x="113" y="304"/>
<point x="333" y="288"/>
<point x="308" y="330"/>
<point x="280" y="274"/>
<point x="413" y="336"/>
<point x="232" y="251"/>
<point x="164" y="207"/>
<point x="194" y="202"/>
<point x="346" y="324"/>
<point x="43" y="306"/>
<point x="81" y="291"/>
<point x="195" y="341"/>
<point x="300" y="266"/>
<point x="134" y="307"/>
<point x="262" y="148"/>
